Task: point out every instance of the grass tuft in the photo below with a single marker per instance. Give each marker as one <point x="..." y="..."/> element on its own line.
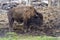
<point x="14" y="36"/>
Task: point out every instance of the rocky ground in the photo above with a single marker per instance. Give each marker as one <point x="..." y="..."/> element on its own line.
<point x="51" y="21"/>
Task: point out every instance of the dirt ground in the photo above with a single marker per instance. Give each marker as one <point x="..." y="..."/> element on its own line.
<point x="51" y="17"/>
<point x="48" y="27"/>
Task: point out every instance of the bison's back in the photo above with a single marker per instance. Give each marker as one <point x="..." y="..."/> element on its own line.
<point x="23" y="12"/>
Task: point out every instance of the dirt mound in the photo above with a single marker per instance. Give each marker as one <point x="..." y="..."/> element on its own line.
<point x="51" y="20"/>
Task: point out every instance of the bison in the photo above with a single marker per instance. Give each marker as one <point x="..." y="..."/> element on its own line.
<point x="26" y="14"/>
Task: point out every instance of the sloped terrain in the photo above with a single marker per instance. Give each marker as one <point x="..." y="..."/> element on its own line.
<point x="51" y="21"/>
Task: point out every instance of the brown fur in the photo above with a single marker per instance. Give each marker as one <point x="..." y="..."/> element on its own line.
<point x="21" y="13"/>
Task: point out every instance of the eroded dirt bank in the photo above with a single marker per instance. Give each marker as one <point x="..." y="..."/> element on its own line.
<point x="51" y="21"/>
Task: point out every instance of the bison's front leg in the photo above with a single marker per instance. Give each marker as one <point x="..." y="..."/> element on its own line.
<point x="25" y="27"/>
<point x="11" y="21"/>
